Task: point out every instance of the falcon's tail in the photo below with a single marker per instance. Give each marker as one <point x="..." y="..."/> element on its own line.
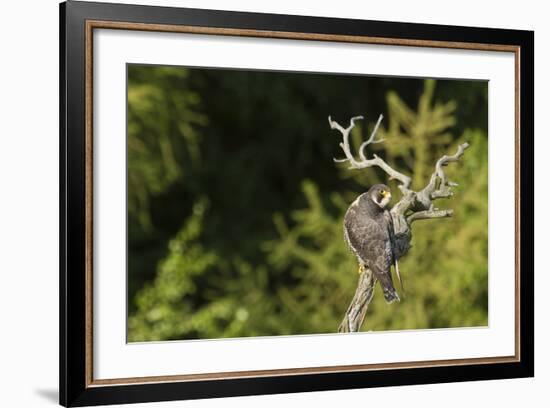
<point x="390" y="294"/>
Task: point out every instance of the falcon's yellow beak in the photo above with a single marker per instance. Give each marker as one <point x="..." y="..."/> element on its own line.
<point x="385" y="193"/>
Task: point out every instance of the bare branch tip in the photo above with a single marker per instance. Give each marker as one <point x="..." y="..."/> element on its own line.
<point x="352" y="120"/>
<point x="461" y="148"/>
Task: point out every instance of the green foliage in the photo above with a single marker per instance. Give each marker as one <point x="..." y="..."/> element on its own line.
<point x="162" y="138"/>
<point x="165" y="307"/>
<point x="445" y="272"/>
<point x="418" y="138"/>
<point x="242" y="233"/>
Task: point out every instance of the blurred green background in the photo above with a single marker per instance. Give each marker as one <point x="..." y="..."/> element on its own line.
<point x="235" y="205"/>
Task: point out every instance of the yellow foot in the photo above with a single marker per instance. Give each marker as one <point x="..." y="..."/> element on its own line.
<point x="361" y="269"/>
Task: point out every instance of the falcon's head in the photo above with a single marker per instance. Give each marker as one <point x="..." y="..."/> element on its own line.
<point x="380" y="194"/>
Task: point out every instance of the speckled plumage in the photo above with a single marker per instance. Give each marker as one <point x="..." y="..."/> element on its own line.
<point x="368" y="231"/>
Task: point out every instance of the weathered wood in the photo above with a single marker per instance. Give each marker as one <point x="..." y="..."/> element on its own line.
<point x="412" y="206"/>
<point x="357" y="310"/>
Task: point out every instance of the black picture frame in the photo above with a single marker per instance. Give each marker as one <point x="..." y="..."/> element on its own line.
<point x="75" y="386"/>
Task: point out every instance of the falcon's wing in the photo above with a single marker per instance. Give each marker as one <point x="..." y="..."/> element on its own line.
<point x="370" y="241"/>
<point x="391" y="231"/>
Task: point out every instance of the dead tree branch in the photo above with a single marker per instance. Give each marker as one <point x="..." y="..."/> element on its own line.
<point x="358" y="309"/>
<point x="424" y="215"/>
<point x="363" y="162"/>
<point x="412" y="206"/>
<point x="439" y="185"/>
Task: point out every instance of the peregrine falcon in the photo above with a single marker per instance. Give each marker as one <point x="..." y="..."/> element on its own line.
<point x="368" y="231"/>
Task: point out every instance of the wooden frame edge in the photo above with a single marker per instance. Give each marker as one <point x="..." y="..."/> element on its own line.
<point x="231" y="375"/>
<point x="289" y="35"/>
<point x="89" y="206"/>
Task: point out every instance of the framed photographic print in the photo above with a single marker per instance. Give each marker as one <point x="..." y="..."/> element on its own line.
<point x="255" y="203"/>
